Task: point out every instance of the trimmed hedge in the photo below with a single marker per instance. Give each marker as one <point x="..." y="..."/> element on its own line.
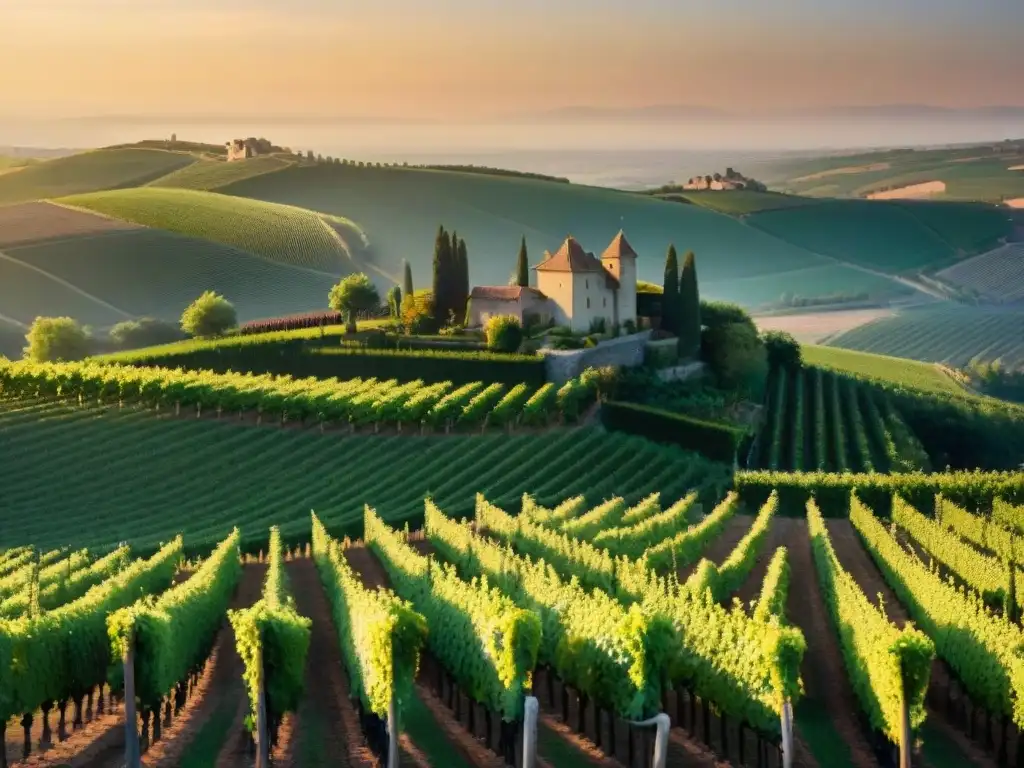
<point x="971" y="490"/>
<point x="302" y="359"/>
<point x="718" y="442"/>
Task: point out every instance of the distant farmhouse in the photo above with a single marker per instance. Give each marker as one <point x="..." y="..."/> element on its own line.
<point x="719" y="183"/>
<point x="574" y="288"/>
<point x="239" y="149"/>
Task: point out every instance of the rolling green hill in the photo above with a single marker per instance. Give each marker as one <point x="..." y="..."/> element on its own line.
<point x="894" y="370"/>
<point x="740" y="201"/>
<point x="949" y="333"/>
<point x="147" y="272"/>
<point x="212" y="174"/>
<point x="88" y="172"/>
<point x="280" y="233"/>
<point x="400" y="210"/>
<point x="12" y="340"/>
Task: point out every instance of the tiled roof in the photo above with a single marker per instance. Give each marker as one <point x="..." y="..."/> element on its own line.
<point x="502" y="292"/>
<point x="619" y="248"/>
<point x="571" y="258"/>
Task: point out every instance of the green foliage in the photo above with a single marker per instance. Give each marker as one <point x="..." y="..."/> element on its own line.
<point x="64" y="582"/>
<point x="57" y="338"/>
<point x="64" y="653"/>
<point x="381" y="636"/>
<point x="639" y="531"/>
<point x="407" y="286"/>
<point x="173" y="634"/>
<point x="272" y="639"/>
<point x="987" y="533"/>
<point x="1009" y="515"/>
<point x="885" y="665"/>
<point x="395" y="303"/>
<point x="147" y="332"/>
<point x="718" y="442"/>
<point x="990" y="665"/>
<point x="737" y="357"/>
<point x="209" y="315"/>
<point x="670" y="306"/>
<point x="892" y="370"/>
<point x="686" y="546"/>
<point x="689" y="320"/>
<point x="353" y="294"/>
<point x="481" y="637"/>
<point x="782" y="349"/>
<point x="523" y="266"/>
<point x="587" y="525"/>
<point x="214" y="174"/>
<point x="504" y="333"/>
<point x="771" y="603"/>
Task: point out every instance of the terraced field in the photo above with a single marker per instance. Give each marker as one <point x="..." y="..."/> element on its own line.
<point x="200" y="476"/>
<point x="88" y="172"/>
<point x="996" y="276"/>
<point x="279" y="233"/>
<point x="951" y="334"/>
<point x="212" y="174"/>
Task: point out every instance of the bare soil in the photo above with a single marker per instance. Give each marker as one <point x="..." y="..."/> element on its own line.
<point x="825" y="680"/>
<point x="326" y="696"/>
<point x="812" y="327"/>
<point x="911" y="192"/>
<point x="34" y="222"/>
<point x="751" y="589"/>
<point x="222" y="680"/>
<point x="722" y="545"/>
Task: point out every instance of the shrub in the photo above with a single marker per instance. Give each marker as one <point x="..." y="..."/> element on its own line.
<point x="718" y="442"/>
<point x="737" y="357"/>
<point x="629" y="327"/>
<point x="56" y="338"/>
<point x="353" y="294"/>
<point x="566" y="342"/>
<point x="209" y="315"/>
<point x="418" y="312"/>
<point x="504" y="333"/>
<point x="146" y="332"/>
<point x="782" y="349"/>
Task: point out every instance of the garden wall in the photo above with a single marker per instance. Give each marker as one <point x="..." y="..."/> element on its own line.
<point x="626" y="351"/>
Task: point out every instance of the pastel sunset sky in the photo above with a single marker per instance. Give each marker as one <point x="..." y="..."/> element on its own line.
<point x="466" y="59"/>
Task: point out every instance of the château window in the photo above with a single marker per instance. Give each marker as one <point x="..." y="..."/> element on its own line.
<point x="586" y="284"/>
<point x="588" y="302"/>
<point x="604" y="302"/>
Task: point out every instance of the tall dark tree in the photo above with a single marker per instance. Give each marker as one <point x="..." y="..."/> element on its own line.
<point x="670" y="295"/>
<point x="406" y="278"/>
<point x="689" y="308"/>
<point x="441" y="248"/>
<point x="523" y="266"/>
<point x="464" y="287"/>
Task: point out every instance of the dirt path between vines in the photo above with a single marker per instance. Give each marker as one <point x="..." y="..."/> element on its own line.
<point x="722" y="545"/>
<point x="826" y="684"/>
<point x="327" y="725"/>
<point x="221" y="683"/>
<point x="858" y="563"/>
<point x="751" y="589"/>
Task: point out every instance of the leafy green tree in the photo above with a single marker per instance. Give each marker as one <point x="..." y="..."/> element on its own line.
<point x="146" y="332"/>
<point x="355" y="293"/>
<point x="462" y="303"/>
<point x="737" y="357"/>
<point x="783" y="350"/>
<point x="56" y="338"/>
<point x="209" y="315"/>
<point x="504" y="333"/>
<point x="442" y="279"/>
<point x="407" y="289"/>
<point x="670" y="293"/>
<point x="523" y="266"/>
<point x="688" y="317"/>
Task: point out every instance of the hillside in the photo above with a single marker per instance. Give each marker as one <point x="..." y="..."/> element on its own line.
<point x="950" y="333"/>
<point x="996" y="276"/>
<point x="284" y="234"/>
<point x="400" y="210"/>
<point x="901" y="372"/>
<point x="89" y="171"/>
<point x="213" y="174"/>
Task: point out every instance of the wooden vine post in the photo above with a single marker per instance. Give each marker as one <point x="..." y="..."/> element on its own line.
<point x="787" y="734"/>
<point x="662" y="724"/>
<point x="392" y="733"/>
<point x="132" y="754"/>
<point x="262" y="735"/>
<point x="906" y="736"/>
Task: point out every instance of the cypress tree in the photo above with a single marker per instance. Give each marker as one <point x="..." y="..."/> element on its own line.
<point x="523" y="266"/>
<point x="406" y="279"/>
<point x="440" y="261"/>
<point x="670" y="295"/>
<point x="462" y="310"/>
<point x="689" y="308"/>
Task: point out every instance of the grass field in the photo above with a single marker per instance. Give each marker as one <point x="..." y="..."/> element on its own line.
<point x="88" y="172"/>
<point x="735" y="262"/>
<point x="212" y="174"/>
<point x="280" y="233"/>
<point x="741" y="201"/>
<point x="201" y="477"/>
<point x="909" y="373"/>
<point x="148" y="272"/>
<point x="951" y="333"/>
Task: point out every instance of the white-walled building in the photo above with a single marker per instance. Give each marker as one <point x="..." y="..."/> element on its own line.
<point x="574" y="288"/>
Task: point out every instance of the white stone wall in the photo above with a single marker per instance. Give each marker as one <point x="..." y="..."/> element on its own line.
<point x="624" y="351"/>
<point x="592" y="300"/>
<point x="558" y="287"/>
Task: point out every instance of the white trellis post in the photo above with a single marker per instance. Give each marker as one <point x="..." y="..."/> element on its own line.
<point x="662" y="723"/>
<point x="787" y="734"/>
<point x="392" y="733"/>
<point x="132" y="755"/>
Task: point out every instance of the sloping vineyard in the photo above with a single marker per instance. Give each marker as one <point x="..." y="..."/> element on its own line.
<point x="820" y="419"/>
